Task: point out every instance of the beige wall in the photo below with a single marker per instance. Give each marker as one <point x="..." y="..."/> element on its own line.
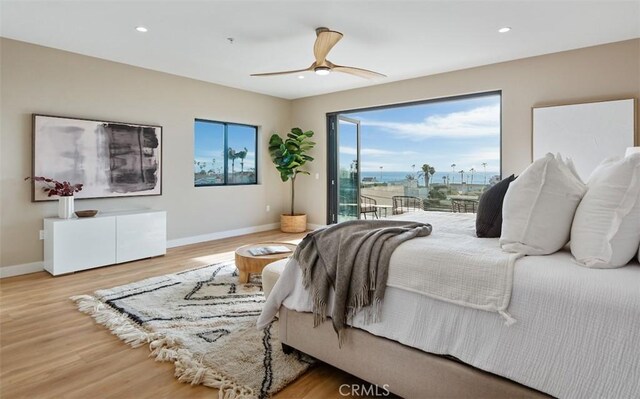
<point x="42" y="80"/>
<point x="594" y="73"/>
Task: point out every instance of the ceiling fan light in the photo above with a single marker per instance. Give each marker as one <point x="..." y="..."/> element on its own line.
<point x="322" y="71"/>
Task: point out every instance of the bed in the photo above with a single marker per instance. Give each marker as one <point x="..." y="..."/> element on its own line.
<point x="577" y="333"/>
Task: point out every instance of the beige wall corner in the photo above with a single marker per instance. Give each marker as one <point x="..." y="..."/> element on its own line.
<point x="594" y="73"/>
<point x="37" y="79"/>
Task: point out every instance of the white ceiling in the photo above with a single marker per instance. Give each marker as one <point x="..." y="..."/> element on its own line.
<point x="402" y="39"/>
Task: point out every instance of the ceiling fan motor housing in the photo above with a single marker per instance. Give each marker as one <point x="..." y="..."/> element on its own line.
<point x="322" y="70"/>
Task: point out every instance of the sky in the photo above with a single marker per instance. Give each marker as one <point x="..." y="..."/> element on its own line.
<point x="209" y="144"/>
<point x="464" y="131"/>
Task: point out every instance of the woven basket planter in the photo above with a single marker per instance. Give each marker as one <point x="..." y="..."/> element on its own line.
<point x="293" y="223"/>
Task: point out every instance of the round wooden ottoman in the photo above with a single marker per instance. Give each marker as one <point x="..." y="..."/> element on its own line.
<point x="247" y="263"/>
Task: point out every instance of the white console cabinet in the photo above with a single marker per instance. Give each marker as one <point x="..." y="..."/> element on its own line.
<point x="77" y="244"/>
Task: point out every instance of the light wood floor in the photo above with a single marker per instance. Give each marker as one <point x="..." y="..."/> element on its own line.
<point x="50" y="350"/>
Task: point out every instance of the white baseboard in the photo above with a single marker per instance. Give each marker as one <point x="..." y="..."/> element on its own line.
<point x="313" y="226"/>
<point x="17" y="270"/>
<point x="178" y="242"/>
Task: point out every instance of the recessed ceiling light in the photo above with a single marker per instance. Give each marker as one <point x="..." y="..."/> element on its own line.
<point x="504" y="30"/>
<point x="300" y="76"/>
<point x="142" y="29"/>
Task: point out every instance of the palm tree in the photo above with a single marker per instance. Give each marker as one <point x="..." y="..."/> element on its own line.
<point x="484" y="166"/>
<point x="242" y="155"/>
<point x="461" y="176"/>
<point x="381" y="174"/>
<point x="444" y="180"/>
<point x="353" y="169"/>
<point x="427" y="172"/>
<point x="453" y="169"/>
<point x="472" y="170"/>
<point x="232" y="157"/>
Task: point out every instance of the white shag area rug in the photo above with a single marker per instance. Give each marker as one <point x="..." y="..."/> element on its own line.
<point x="204" y="321"/>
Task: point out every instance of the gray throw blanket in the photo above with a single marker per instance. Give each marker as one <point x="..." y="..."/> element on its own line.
<point x="353" y="258"/>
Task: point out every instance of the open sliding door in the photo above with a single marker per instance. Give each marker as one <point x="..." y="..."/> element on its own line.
<point x="344" y="169"/>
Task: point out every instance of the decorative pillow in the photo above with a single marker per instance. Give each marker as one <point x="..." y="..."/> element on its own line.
<point x="539" y="206"/>
<point x="606" y="229"/>
<point x="489" y="217"/>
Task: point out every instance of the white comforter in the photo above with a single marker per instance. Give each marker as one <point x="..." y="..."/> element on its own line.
<point x="577" y="335"/>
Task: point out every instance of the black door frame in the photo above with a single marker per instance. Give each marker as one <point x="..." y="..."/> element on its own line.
<point x="332" y="142"/>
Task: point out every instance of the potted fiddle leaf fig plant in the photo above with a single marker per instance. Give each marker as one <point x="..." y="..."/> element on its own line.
<point x="290" y="155"/>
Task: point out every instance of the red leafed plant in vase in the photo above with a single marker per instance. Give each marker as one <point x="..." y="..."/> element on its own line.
<point x="54" y="187"/>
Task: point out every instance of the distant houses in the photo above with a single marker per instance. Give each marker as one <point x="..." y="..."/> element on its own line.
<point x="368" y="181"/>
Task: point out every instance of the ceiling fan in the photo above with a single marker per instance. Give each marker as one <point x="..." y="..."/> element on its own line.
<point x="325" y="41"/>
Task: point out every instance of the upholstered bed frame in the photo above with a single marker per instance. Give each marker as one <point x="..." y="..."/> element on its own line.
<point x="406" y="371"/>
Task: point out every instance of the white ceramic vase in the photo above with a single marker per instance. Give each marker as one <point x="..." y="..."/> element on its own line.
<point x="65" y="207"/>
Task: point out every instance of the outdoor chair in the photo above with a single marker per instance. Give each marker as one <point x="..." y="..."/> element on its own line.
<point x="464" y="205"/>
<point x="403" y="204"/>
<point x="368" y="205"/>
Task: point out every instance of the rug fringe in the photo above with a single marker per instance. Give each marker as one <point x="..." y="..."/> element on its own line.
<point x="188" y="368"/>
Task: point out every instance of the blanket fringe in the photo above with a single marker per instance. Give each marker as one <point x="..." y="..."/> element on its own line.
<point x="365" y="301"/>
<point x="509" y="320"/>
<point x="377" y="310"/>
<point x="319" y="309"/>
<point x="341" y="338"/>
<point x="188" y="368"/>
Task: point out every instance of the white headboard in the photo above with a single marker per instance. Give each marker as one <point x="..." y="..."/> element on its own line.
<point x="586" y="133"/>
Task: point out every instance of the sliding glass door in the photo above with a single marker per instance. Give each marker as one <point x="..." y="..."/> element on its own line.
<point x="343" y="168"/>
<point x="348" y="135"/>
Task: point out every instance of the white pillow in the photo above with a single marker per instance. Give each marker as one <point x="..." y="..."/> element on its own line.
<point x="606" y="229"/>
<point x="539" y="206"/>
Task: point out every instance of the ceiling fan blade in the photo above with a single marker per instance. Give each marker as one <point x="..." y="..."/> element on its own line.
<point x="324" y="43"/>
<point x="363" y="73"/>
<point x="282" y="72"/>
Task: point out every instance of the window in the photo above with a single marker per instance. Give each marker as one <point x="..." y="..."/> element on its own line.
<point x="441" y="154"/>
<point x="224" y="154"/>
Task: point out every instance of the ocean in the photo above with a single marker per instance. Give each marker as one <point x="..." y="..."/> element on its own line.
<point x="437" y="178"/>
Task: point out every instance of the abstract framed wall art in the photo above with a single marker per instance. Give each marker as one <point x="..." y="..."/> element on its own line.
<point x="111" y="159"/>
